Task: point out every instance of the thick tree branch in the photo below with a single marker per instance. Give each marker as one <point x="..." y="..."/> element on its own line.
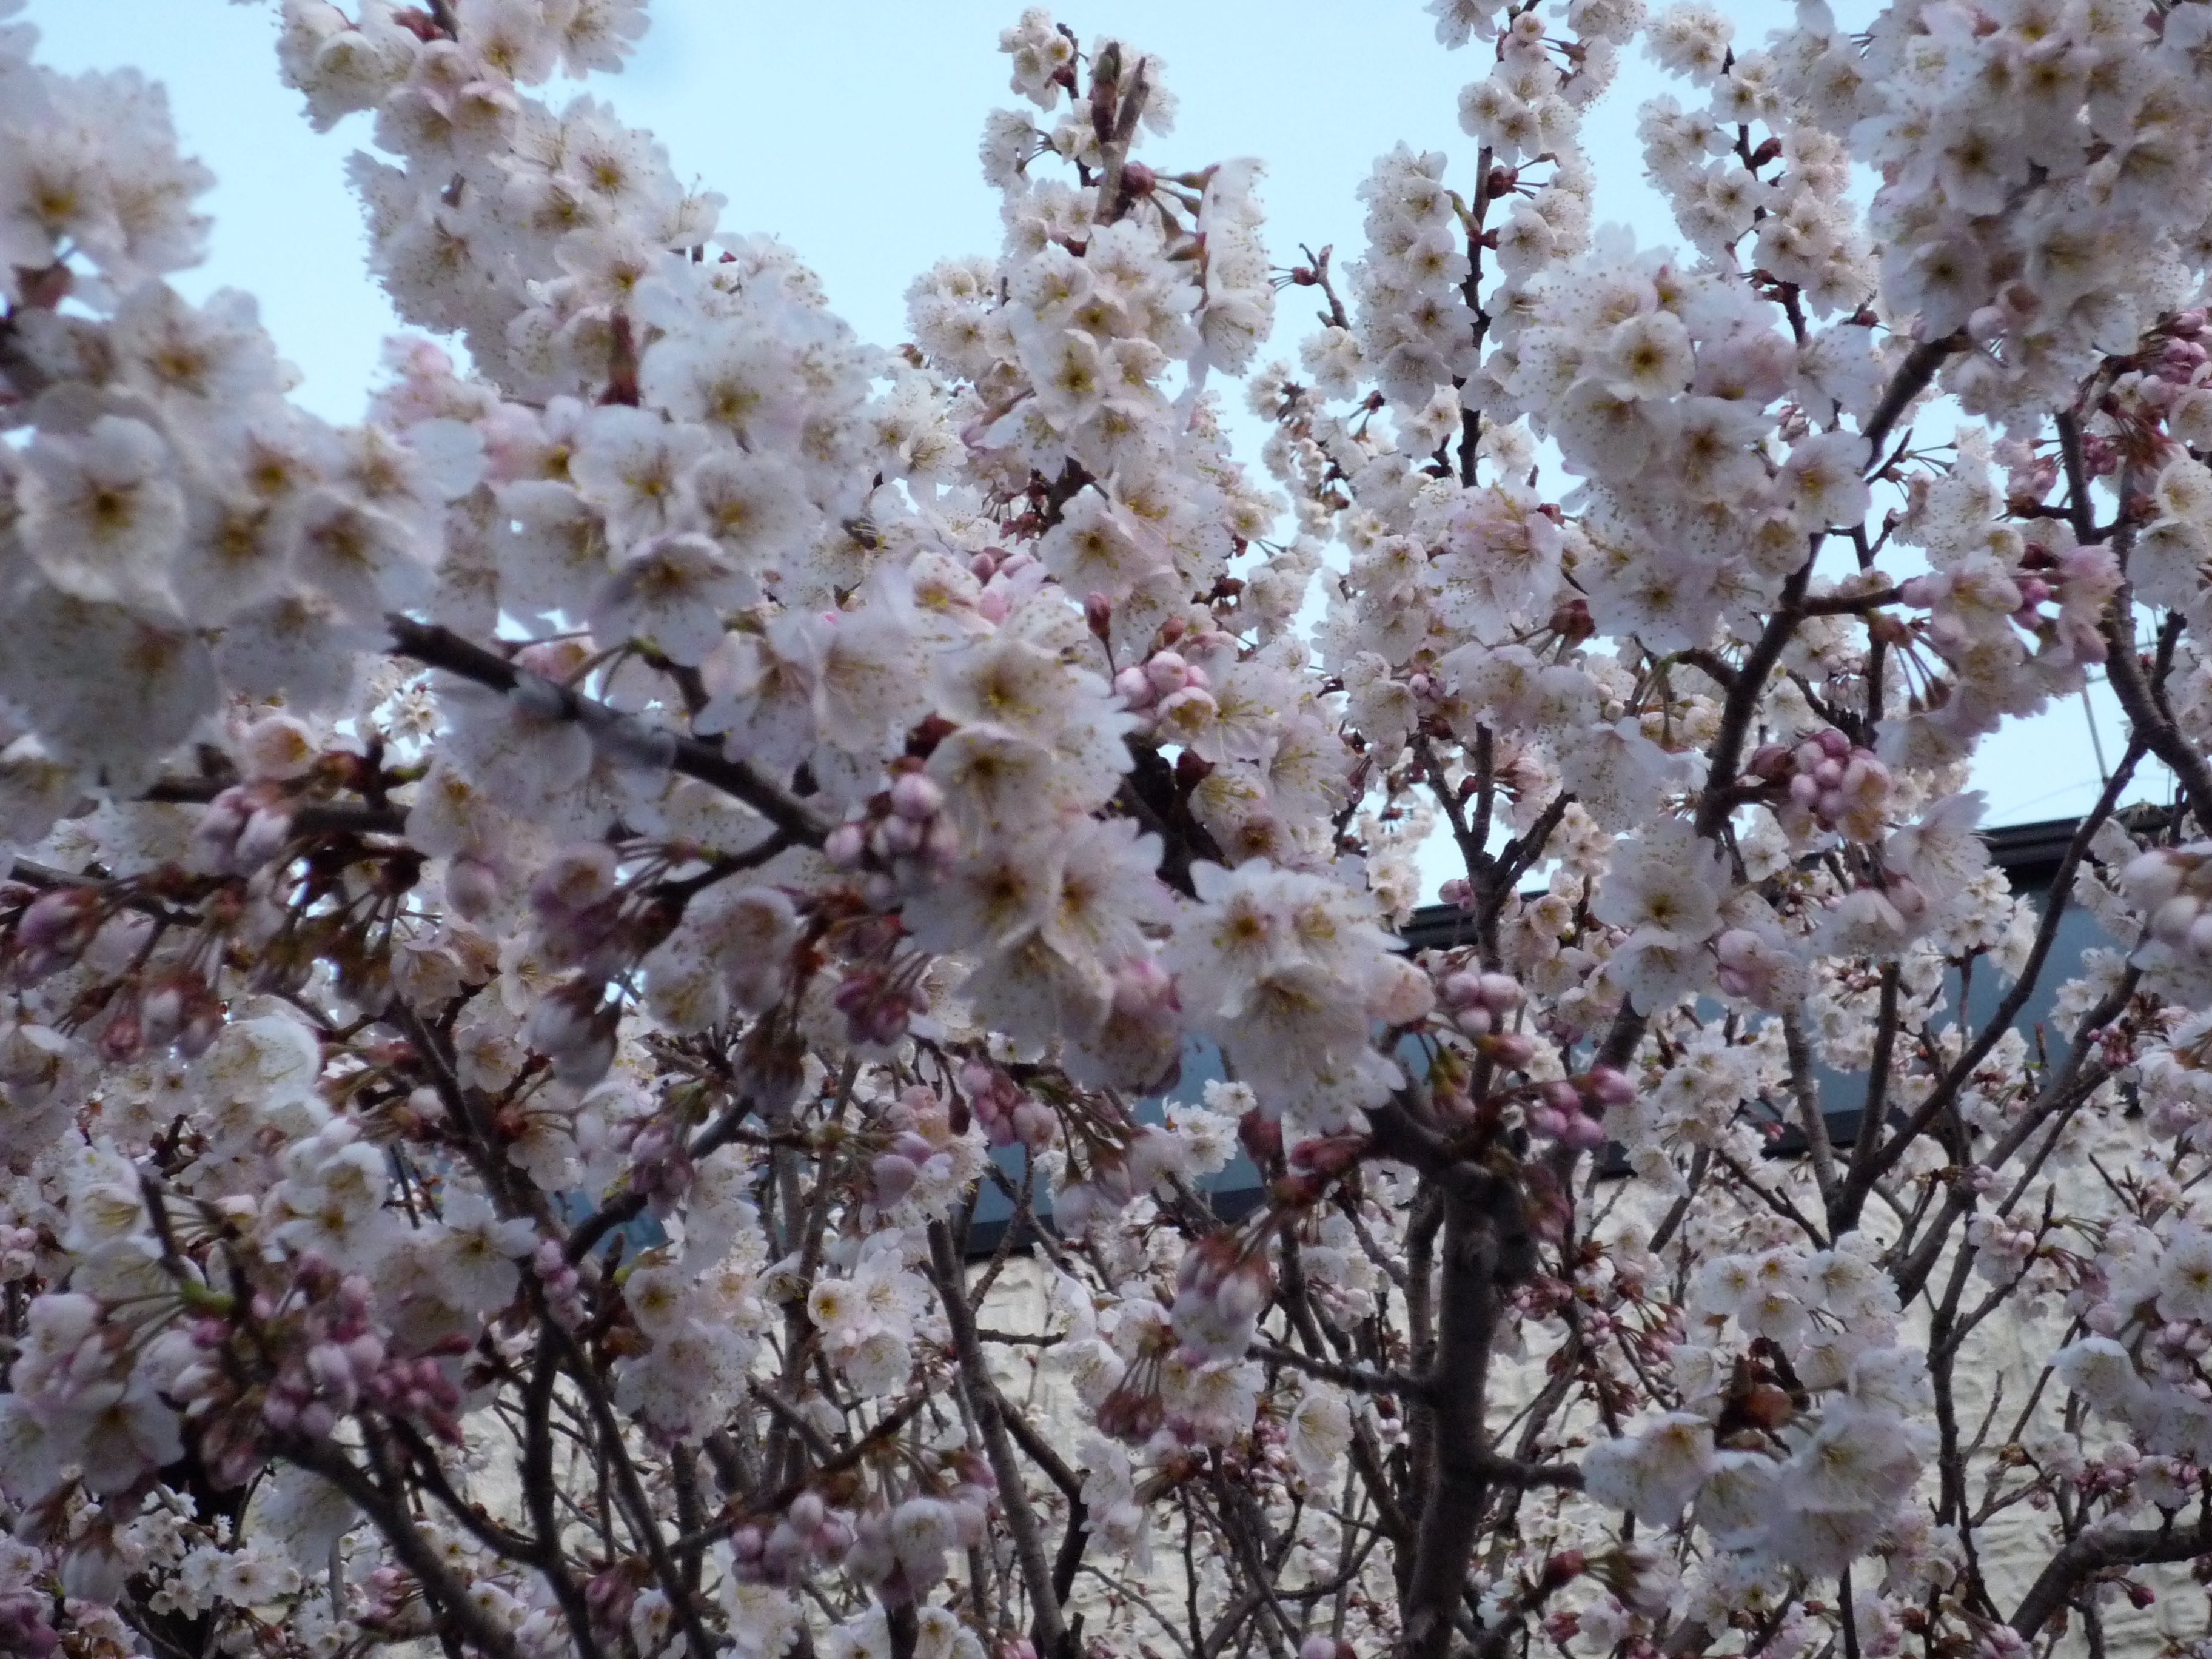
<point x="1913" y="376"/>
<point x="440" y="648"/>
<point x="1486" y="1250"/>
<point x="2092" y="1552"/>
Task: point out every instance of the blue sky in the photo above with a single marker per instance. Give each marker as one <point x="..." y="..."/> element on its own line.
<point x="849" y="130"/>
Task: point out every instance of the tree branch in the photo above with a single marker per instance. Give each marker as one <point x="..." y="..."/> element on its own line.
<point x="440" y="648"/>
<point x="1048" y="1629"/>
<point x="1913" y="376"/>
<point x="2093" y="1552"/>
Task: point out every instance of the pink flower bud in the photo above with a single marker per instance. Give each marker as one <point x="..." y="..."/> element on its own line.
<point x="1460" y="990"/>
<point x="1920" y="591"/>
<point x="63" y="920"/>
<point x="1609" y="1087"/>
<point x="1509" y="1050"/>
<point x="1167" y="672"/>
<point x="884" y="1023"/>
<point x="916" y="796"/>
<point x="1582" y="1133"/>
<point x="897" y="837"/>
<point x="843" y="846"/>
<point x="1142" y="987"/>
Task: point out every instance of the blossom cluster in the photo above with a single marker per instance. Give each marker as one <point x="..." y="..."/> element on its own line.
<point x="606" y="971"/>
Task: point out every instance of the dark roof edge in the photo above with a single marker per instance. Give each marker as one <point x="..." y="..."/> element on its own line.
<point x="2025" y="852"/>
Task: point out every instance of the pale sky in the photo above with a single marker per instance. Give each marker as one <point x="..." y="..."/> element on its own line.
<point x="848" y="130"/>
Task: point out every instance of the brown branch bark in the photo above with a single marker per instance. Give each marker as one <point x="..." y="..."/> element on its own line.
<point x="1913" y="376"/>
<point x="441" y="649"/>
<point x="1049" y="1627"/>
<point x="2092" y="1552"/>
<point x="1485" y="1249"/>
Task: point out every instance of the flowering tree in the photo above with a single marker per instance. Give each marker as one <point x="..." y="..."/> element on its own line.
<point x="533" y="921"/>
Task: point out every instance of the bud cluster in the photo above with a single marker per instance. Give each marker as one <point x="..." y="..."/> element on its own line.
<point x="171" y="1006"/>
<point x="880" y="998"/>
<point x="1221" y="1289"/>
<point x="24" y="1630"/>
<point x="807" y="1536"/>
<point x="1478" y="1003"/>
<point x="243" y="828"/>
<point x="563" y="1282"/>
<point x="1571" y="1110"/>
<point x="1007" y="1112"/>
<point x="893" y="1172"/>
<point x="660" y="1167"/>
<point x="2174" y="362"/>
<point x="900" y="1550"/>
<point x="297" y="1364"/>
<point x="902" y="836"/>
<point x="54" y="930"/>
<point x="1168" y="693"/>
<point x="1750" y="964"/>
<point x="1828" y="779"/>
<point x="584" y="921"/>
